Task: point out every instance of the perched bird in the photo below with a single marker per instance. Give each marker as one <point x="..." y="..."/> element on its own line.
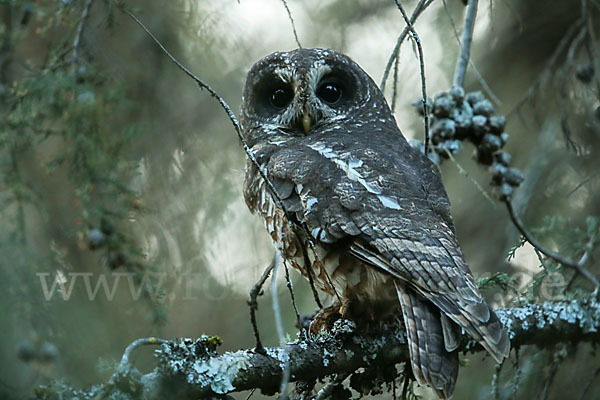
<point x="358" y="210"/>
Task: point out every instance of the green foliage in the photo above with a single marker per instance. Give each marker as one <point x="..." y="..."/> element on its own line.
<point x="570" y="237"/>
<point x="513" y="249"/>
<point x="499" y="280"/>
<point x="66" y="144"/>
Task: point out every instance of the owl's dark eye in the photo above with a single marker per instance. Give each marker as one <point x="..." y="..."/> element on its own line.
<point x="281" y="96"/>
<point x="330" y="92"/>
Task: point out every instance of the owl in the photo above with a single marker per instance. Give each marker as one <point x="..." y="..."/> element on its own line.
<point x="358" y="211"/>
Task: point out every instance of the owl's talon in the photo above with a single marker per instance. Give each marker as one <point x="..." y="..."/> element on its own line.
<point x="325" y="318"/>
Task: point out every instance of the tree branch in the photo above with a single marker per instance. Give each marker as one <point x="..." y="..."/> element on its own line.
<point x="465" y="48"/>
<point x="417" y="42"/>
<point x="578" y="266"/>
<point x="84" y="16"/>
<point x="191" y="368"/>
<point x="289" y="13"/>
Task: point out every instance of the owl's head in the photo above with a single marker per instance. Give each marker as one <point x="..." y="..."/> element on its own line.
<point x="301" y="91"/>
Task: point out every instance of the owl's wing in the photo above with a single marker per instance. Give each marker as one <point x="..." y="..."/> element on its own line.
<point x="395" y="213"/>
<point x="433" y="266"/>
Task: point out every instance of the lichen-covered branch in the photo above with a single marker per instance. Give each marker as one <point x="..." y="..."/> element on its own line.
<point x="192" y="368"/>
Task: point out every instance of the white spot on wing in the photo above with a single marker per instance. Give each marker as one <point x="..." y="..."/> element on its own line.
<point x="350" y="168"/>
<point x="311" y="202"/>
<point x="389" y="202"/>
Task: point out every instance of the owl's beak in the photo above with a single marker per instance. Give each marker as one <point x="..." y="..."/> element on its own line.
<point x="306" y="120"/>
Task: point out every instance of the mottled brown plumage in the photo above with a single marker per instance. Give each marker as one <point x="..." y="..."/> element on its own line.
<point x="374" y="207"/>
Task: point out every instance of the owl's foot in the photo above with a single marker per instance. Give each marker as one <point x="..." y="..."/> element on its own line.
<point x="326" y="317"/>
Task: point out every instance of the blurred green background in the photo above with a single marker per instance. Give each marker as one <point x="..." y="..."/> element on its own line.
<point x="113" y="163"/>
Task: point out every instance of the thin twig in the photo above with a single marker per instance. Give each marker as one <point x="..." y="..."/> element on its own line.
<point x="328" y="389"/>
<point x="480" y="77"/>
<point x="253" y="304"/>
<point x="419" y="8"/>
<point x="395" y="87"/>
<point x="564" y="90"/>
<point x="311" y="280"/>
<point x="576" y="188"/>
<point x="465" y="48"/>
<point x="292" y="295"/>
<point x="407" y="380"/>
<point x="466" y="174"/>
<point x="579" y="266"/>
<point x="285" y="379"/>
<point x="289" y="13"/>
<point x="576" y="43"/>
<point x="126" y="359"/>
<point x="550" y="64"/>
<point x="588" y="249"/>
<point x="517" y="378"/>
<point x="77" y="40"/>
<point x="555" y="359"/>
<point x="413" y="32"/>
<point x="496" y="381"/>
<point x="221" y="101"/>
<point x="251" y="394"/>
<point x="588" y="386"/>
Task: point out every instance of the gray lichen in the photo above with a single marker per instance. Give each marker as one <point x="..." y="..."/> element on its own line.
<point x="279" y="354"/>
<point x="198" y="361"/>
<point x="219" y="373"/>
<point x="584" y="314"/>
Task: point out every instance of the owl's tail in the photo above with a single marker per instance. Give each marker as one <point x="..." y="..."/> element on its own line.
<point x="432" y="363"/>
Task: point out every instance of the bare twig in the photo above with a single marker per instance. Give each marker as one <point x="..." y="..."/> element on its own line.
<point x="253" y="303"/>
<point x="419" y="8"/>
<point x="415" y="37"/>
<point x="576" y="43"/>
<point x="309" y="273"/>
<point x="465" y="48"/>
<point x="407" y="380"/>
<point x="328" y="389"/>
<point x="550" y="64"/>
<point x="555" y="360"/>
<point x="480" y="77"/>
<point x="496" y="381"/>
<point x="126" y="359"/>
<point x="290" y="287"/>
<point x="285" y="379"/>
<point x="251" y="394"/>
<point x="289" y="13"/>
<point x="564" y="91"/>
<point x="579" y="266"/>
<point x="395" y="87"/>
<point x="466" y="174"/>
<point x="579" y="185"/>
<point x="517" y="377"/>
<point x="221" y="101"/>
<point x="76" y="41"/>
<point x="588" y="385"/>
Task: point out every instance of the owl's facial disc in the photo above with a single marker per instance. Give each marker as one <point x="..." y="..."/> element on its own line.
<point x="299" y="92"/>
